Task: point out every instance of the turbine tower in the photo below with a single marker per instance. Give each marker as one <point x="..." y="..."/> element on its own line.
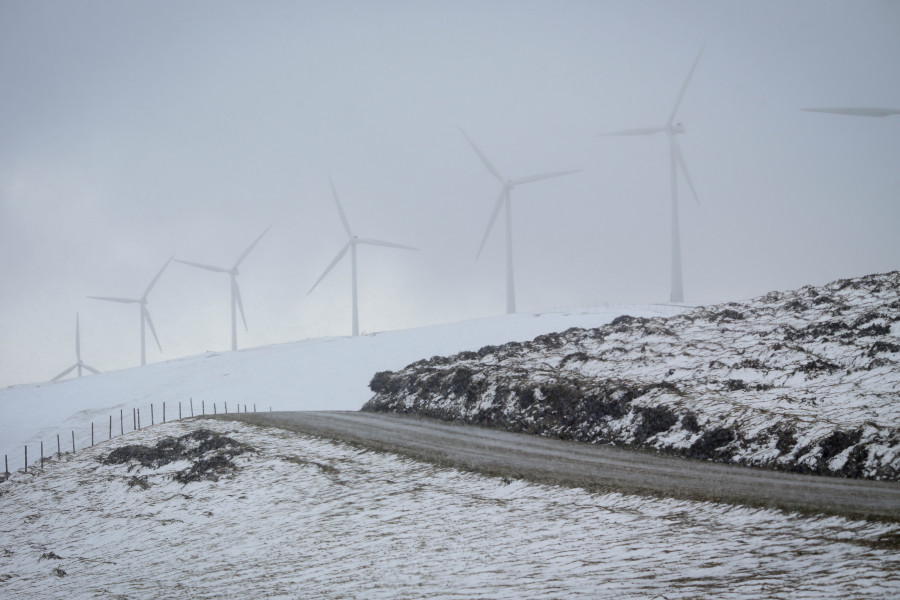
<point x="79" y="364"/>
<point x="145" y="314"/>
<point x="352" y="242"/>
<point x="857" y="112"/>
<point x="504" y="200"/>
<point x="235" y="289"/>
<point x="676" y="162"/>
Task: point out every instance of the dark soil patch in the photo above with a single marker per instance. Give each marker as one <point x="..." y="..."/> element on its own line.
<point x="209" y="452"/>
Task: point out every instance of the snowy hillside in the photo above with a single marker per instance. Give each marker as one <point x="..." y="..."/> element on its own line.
<point x="807" y="381"/>
<point x="291" y="516"/>
<point x="318" y="374"/>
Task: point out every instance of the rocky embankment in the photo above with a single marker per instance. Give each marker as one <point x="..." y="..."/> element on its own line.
<point x="805" y="381"/>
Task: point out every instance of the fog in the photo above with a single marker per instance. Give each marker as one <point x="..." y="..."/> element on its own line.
<point x="131" y="132"/>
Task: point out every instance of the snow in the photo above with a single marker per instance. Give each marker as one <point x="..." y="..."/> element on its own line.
<point x="311" y="518"/>
<point x="316" y="374"/>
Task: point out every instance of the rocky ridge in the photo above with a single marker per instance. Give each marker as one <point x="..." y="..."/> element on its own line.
<point x="805" y="381"/>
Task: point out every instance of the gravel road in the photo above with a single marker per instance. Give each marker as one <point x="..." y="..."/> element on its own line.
<point x="604" y="468"/>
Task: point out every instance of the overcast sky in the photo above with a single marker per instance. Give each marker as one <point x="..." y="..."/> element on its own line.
<point x="132" y="131"/>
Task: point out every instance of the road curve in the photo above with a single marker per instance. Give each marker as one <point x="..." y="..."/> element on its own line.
<point x="547" y="460"/>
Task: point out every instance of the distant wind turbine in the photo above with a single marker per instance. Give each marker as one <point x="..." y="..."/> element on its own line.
<point x="352" y="242"/>
<point x="235" y="289"/>
<point x="145" y="314"/>
<point x="676" y="159"/>
<point x="857" y="112"/>
<point x="504" y="200"/>
<point x="78" y="365"/>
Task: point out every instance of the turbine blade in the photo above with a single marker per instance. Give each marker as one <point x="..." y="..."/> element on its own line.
<point x="146" y="314"/>
<point x="90" y="368"/>
<point x="337" y="258"/>
<point x="253" y="245"/>
<point x="372" y="242"/>
<point x="857" y="112"/>
<point x="64" y="373"/>
<point x="77" y="339"/>
<point x="683" y="165"/>
<point x="638" y="131"/>
<point x="492" y="220"/>
<point x="483" y="158"/>
<point x="122" y="300"/>
<point x="236" y="291"/>
<point x="340" y="208"/>
<point x="684" y="87"/>
<point x="531" y="178"/>
<point x="155" y="279"/>
<point x="202" y="266"/>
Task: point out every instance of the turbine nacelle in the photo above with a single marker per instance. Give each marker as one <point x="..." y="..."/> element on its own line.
<point x="676" y="128"/>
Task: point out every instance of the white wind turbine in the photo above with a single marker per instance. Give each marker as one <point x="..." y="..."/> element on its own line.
<point x="352" y="242"/>
<point x="504" y="200"/>
<point x="78" y="365"/>
<point x="145" y="314"/>
<point x="676" y="160"/>
<point x="857" y="112"/>
<point x="235" y="289"/>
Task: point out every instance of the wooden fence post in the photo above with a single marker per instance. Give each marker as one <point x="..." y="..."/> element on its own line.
<point x="73" y="442"/>
<point x="151" y="415"/>
<point x="164" y="413"/>
<point x="179" y="410"/>
<point x="92" y="434"/>
<point x="42" y="455"/>
<point x="192" y="407"/>
<point x="203" y="407"/>
<point x="214" y="408"/>
<point x="139" y="419"/>
<point x="110" y="426"/>
<point x="121" y="423"/>
<point x="133" y="419"/>
<point x="26" y="458"/>
<point x="226" y="407"/>
<point x="6" y="462"/>
<point x="254" y="407"/>
<point x="58" y="447"/>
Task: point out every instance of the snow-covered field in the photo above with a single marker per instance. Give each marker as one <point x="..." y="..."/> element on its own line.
<point x="308" y="518"/>
<point x="317" y="374"/>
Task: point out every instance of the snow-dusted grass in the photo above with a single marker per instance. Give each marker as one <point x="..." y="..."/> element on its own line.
<point x="805" y="380"/>
<point x="308" y="518"/>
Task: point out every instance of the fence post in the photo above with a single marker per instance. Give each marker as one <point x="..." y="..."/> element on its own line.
<point x="179" y="410"/>
<point x="26" y="458"/>
<point x="73" y="442"/>
<point x="203" y="407"/>
<point x="245" y="409"/>
<point x="6" y="463"/>
<point x="226" y="407"/>
<point x="254" y="407"/>
<point x="110" y="426"/>
<point x="42" y="455"/>
<point x="134" y="419"/>
<point x="192" y="407"/>
<point x="139" y="419"/>
<point x="92" y="434"/>
<point x="58" y="447"/>
<point x="121" y="423"/>
<point x="151" y="415"/>
<point x="214" y="408"/>
<point x="164" y="413"/>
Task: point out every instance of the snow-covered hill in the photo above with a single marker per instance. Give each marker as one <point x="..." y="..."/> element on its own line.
<point x="807" y="380"/>
<point x="318" y="374"/>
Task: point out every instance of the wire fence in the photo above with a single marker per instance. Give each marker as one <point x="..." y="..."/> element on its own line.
<point x="115" y="427"/>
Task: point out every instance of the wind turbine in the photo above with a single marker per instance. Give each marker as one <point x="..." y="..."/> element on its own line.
<point x="78" y="365"/>
<point x="676" y="162"/>
<point x="235" y="289"/>
<point x="504" y="200"/>
<point x="857" y="112"/>
<point x="352" y="242"/>
<point x="145" y="314"/>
